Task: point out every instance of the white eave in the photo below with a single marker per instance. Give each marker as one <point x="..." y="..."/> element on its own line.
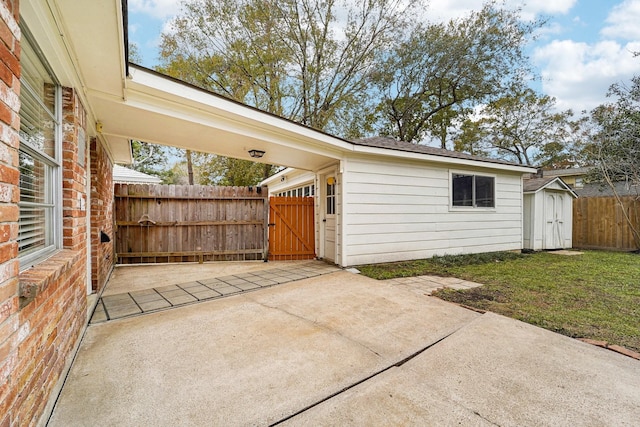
<point x="442" y="159"/>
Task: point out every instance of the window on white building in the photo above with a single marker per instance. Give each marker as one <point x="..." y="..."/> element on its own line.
<point x="477" y="191"/>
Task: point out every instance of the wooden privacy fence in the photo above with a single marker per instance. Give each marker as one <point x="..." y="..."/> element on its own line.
<point x="599" y="223"/>
<point x="180" y="223"/>
<point x="291" y="230"/>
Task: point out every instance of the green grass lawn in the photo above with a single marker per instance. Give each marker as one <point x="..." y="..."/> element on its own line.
<point x="595" y="295"/>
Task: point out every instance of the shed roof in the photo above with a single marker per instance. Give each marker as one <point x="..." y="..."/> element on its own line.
<point x="533" y="185"/>
<point x="130" y="176"/>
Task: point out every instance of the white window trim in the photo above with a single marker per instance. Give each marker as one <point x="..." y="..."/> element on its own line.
<point x="472" y="208"/>
<point x="29" y="260"/>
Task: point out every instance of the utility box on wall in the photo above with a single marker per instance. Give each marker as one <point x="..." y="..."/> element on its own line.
<point x="548" y="214"/>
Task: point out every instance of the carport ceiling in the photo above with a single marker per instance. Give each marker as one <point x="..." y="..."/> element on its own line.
<point x="165" y="111"/>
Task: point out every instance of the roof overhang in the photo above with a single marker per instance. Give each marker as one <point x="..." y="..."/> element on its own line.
<point x="83" y="42"/>
<point x="161" y="110"/>
<point x="556" y="181"/>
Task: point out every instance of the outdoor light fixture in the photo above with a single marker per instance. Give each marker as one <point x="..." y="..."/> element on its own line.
<point x="256" y="154"/>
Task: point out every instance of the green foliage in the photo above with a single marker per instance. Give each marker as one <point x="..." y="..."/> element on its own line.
<point x="218" y="170"/>
<point x="441" y="71"/>
<point x="148" y="158"/>
<point x="134" y="53"/>
<point x="524" y="128"/>
<point x="437" y="265"/>
<point x="306" y="60"/>
<point x="616" y="138"/>
<point x="615" y="146"/>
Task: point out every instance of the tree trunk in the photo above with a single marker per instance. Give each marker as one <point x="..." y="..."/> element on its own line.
<point x="189" y="167"/>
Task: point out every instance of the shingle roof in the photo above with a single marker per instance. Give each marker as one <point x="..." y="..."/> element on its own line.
<point x="598" y="189"/>
<point x="568" y="172"/>
<point x="393" y="144"/>
<point x="534" y="184"/>
<point x="130" y="176"/>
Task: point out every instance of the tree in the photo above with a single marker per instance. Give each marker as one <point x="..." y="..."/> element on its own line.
<point x="148" y="158"/>
<point x="306" y="60"/>
<point x="615" y="148"/>
<point x="219" y="170"/>
<point x="524" y="128"/>
<point x="441" y="71"/>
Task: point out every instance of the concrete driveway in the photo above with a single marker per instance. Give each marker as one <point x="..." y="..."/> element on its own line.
<point x="340" y="349"/>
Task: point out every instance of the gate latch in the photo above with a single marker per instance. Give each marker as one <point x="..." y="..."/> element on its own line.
<point x="271" y="224"/>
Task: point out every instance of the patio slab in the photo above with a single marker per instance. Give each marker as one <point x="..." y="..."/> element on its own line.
<point x="248" y="359"/>
<point x="128" y="278"/>
<point x="146" y="300"/>
<point x="340" y="349"/>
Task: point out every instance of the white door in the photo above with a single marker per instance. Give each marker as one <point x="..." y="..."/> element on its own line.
<point x="554" y="221"/>
<point x="328" y="216"/>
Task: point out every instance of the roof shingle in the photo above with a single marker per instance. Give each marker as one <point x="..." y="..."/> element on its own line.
<point x="393" y="144"/>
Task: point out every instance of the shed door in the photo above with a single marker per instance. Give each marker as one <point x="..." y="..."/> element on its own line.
<point x="554" y="221"/>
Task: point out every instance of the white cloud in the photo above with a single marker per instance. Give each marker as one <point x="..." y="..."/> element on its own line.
<point x="159" y="9"/>
<point x="448" y="9"/>
<point x="623" y="21"/>
<point x="579" y="74"/>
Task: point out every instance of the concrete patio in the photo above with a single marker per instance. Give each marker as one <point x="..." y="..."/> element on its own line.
<point x="339" y="349"/>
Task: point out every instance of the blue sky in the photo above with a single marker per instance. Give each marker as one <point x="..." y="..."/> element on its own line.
<point x="585" y="47"/>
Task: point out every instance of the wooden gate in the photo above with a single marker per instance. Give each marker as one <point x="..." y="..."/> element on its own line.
<point x="291" y="230"/>
<point x="181" y="223"/>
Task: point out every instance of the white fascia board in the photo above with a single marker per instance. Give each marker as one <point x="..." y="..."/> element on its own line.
<point x="45" y="22"/>
<point x="442" y="159"/>
<point x="182" y="94"/>
<point x="46" y="30"/>
<point x="277" y="177"/>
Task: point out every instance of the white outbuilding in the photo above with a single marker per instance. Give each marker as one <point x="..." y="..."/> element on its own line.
<point x="388" y="200"/>
<point x="548" y="214"/>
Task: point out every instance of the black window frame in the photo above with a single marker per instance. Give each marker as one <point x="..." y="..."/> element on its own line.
<point x="473" y="191"/>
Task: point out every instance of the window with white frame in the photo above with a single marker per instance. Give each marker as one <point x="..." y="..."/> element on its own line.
<point x="474" y="191"/>
<point x="303" y="191"/>
<point x="39" y="157"/>
<point x="331" y="196"/>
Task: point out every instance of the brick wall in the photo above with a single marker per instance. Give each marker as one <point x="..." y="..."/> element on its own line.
<point x="9" y="196"/>
<point x="43" y="309"/>
<point x="74" y="172"/>
<point x="102" y="253"/>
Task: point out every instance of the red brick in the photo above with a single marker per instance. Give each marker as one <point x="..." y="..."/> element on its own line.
<point x="7" y="402"/>
<point x="598" y="343"/>
<point x="625" y="351"/>
<point x="7" y="36"/>
<point x="5" y="232"/>
<point x="9" y="174"/>
<point x="9" y="213"/>
<point x="7" y="328"/>
<point x="6" y="113"/>
<point x="10" y="59"/>
<point x="8" y="251"/>
<point x="8" y="289"/>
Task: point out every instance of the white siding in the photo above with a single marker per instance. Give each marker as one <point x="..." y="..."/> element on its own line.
<point x="401" y="211"/>
<point x="534" y="218"/>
